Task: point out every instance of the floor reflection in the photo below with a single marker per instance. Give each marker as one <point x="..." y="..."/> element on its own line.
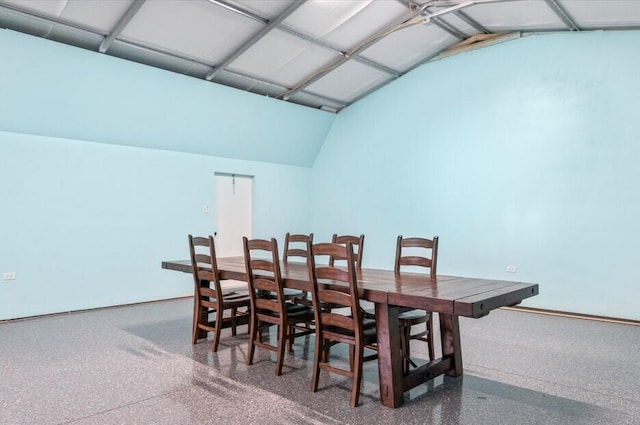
<point x="136" y="364"/>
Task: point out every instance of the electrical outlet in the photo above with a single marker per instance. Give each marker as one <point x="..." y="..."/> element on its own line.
<point x="9" y="276"/>
<point x="205" y="209"/>
<point x="511" y="269"/>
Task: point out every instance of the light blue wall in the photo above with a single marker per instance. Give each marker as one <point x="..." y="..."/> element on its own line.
<point x="86" y="225"/>
<point x="52" y="89"/>
<point x="525" y="153"/>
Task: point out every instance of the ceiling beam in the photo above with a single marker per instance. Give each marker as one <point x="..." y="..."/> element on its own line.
<point x="122" y="22"/>
<point x="562" y="14"/>
<point x="256" y="37"/>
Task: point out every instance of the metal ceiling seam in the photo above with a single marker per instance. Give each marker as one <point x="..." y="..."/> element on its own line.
<point x="449" y="28"/>
<point x="392" y="72"/>
<point x="239" y="74"/>
<point x="319" y="73"/>
<point x="255" y="38"/>
<point x="280" y="86"/>
<point x="120" y="25"/>
<point x="471" y="22"/>
<point x="412" y="20"/>
<point x="333" y="49"/>
<point x="562" y="14"/>
<point x="284" y="27"/>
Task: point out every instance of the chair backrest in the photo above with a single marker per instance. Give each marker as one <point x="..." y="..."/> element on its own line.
<point x="344" y="294"/>
<point x="263" y="274"/>
<point x="300" y="245"/>
<point x="416" y="260"/>
<point x="358" y="246"/>
<point x="204" y="266"/>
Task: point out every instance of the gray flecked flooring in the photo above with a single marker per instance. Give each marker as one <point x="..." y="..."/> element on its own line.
<point x="136" y="365"/>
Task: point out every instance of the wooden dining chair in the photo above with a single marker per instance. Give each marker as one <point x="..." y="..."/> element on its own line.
<point x="295" y="246"/>
<point x="428" y="258"/>
<point x="333" y="327"/>
<point x="358" y="246"/>
<point x="269" y="306"/>
<point x="210" y="301"/>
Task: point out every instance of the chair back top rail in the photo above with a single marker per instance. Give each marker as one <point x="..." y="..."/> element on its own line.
<point x="358" y="246"/>
<point x="413" y="259"/>
<point x="301" y="245"/>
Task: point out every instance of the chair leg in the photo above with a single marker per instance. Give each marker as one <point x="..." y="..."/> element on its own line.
<point x="196" y="319"/>
<point x="326" y="353"/>
<point x="318" y="353"/>
<point x="253" y="333"/>
<point x="352" y="349"/>
<point x="234" y="312"/>
<point x="291" y="331"/>
<point x="282" y="340"/>
<point x="357" y="375"/>
<point x="218" y="330"/>
<point x="406" y="346"/>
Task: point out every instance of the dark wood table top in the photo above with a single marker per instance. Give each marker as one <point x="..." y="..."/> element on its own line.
<point x="459" y="296"/>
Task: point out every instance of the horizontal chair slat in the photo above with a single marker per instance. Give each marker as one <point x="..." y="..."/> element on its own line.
<point x="415" y="261"/>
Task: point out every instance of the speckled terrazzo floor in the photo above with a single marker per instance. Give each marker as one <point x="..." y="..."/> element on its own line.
<point x="136" y="365"/>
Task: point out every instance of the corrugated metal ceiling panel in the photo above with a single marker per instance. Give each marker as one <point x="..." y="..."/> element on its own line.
<point x="319" y="53"/>
<point x="405" y="49"/>
<point x="282" y="58"/>
<point x="201" y="30"/>
<point x="349" y="81"/>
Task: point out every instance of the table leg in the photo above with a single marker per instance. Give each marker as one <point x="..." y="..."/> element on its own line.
<point x="389" y="356"/>
<point x="450" y="339"/>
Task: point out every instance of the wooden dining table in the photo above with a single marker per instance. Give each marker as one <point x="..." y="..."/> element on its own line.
<point x="449" y="296"/>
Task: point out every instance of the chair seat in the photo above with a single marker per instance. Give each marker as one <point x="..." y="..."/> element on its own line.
<point x="414" y="316"/>
<point x="368" y="323"/>
<point x="287" y="292"/>
<point x="293" y="311"/>
<point x="297" y="310"/>
<point x="368" y="326"/>
<point x="369" y="313"/>
<point x="368" y="332"/>
<point x="236" y="301"/>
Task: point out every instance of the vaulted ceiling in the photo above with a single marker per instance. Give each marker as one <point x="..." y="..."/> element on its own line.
<point x="324" y="54"/>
